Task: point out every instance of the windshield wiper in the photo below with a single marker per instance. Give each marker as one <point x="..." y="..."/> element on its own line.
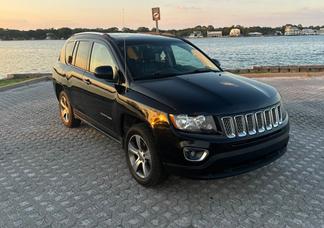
<point x="157" y="76"/>
<point x="202" y="70"/>
<point x="164" y="75"/>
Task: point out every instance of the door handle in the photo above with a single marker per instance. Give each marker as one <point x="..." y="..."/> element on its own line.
<point x="68" y="76"/>
<point x="87" y="81"/>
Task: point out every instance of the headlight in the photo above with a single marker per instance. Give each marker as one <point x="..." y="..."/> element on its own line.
<point x="193" y="123"/>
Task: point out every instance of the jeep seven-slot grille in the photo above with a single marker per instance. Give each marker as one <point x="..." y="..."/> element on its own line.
<point x="252" y="123"/>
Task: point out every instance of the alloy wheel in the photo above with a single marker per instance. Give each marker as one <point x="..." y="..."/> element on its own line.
<point x="139" y="156"/>
<point x="65" y="112"/>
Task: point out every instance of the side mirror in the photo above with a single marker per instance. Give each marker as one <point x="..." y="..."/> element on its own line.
<point x="217" y="63"/>
<point x="104" y="72"/>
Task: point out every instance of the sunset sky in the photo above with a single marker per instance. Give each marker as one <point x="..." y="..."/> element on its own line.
<point x="32" y="14"/>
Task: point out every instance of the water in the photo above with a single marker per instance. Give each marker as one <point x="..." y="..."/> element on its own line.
<point x="246" y="52"/>
<point x="28" y="56"/>
<point x="243" y="52"/>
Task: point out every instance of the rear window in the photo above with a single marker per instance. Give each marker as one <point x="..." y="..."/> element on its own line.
<point x="68" y="50"/>
<point x="82" y="54"/>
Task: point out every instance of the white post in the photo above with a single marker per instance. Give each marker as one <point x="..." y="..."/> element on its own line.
<point x="157" y="26"/>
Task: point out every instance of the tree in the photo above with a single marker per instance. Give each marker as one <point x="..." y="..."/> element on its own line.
<point x="113" y="29"/>
<point x="143" y="29"/>
<point x="127" y="30"/>
<point x="64" y="33"/>
<point x="12" y="34"/>
<point x="210" y="28"/>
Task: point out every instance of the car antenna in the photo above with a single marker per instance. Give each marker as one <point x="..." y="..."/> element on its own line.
<point x="125" y="53"/>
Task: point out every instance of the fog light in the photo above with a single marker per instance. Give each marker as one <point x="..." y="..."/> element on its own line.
<point x="195" y="154"/>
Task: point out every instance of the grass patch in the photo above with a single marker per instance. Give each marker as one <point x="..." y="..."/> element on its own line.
<point x="5" y="82"/>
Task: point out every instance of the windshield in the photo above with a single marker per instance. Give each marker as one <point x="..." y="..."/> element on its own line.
<point x="165" y="59"/>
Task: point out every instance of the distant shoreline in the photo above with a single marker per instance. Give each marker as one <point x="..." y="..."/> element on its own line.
<point x="194" y="38"/>
<point x="201" y="30"/>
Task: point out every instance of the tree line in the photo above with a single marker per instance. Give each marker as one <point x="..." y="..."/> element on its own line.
<point x="64" y="33"/>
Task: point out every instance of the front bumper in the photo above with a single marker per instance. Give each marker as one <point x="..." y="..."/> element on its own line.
<point x="226" y="157"/>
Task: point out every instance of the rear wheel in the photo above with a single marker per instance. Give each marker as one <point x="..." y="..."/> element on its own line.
<point x="142" y="157"/>
<point x="66" y="111"/>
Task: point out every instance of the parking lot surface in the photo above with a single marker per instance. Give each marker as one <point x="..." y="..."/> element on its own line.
<point x="51" y="176"/>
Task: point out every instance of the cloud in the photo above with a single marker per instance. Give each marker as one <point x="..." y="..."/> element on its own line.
<point x="187" y="8"/>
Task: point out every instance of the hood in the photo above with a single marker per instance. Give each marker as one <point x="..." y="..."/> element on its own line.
<point x="209" y="93"/>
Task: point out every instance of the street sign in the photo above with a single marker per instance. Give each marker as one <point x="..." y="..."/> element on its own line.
<point x="156" y="14"/>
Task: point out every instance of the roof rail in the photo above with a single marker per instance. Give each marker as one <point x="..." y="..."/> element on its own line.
<point x="170" y="35"/>
<point x="89" y="33"/>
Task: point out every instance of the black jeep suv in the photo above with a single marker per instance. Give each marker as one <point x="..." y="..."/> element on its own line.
<point x="171" y="107"/>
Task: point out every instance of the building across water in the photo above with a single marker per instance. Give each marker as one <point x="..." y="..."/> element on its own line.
<point x="255" y="34"/>
<point x="321" y="31"/>
<point x="214" y="33"/>
<point x="278" y="33"/>
<point x="235" y="32"/>
<point x="196" y="34"/>
<point x="296" y="31"/>
<point x="292" y="31"/>
<point x="50" y="36"/>
<point x="308" y="32"/>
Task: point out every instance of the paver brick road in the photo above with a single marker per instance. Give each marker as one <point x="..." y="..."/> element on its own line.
<point x="51" y="176"/>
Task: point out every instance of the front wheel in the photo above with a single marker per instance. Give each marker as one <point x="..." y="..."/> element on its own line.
<point x="142" y="157"/>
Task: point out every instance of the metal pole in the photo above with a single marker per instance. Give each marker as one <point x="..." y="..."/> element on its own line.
<point x="157" y="26"/>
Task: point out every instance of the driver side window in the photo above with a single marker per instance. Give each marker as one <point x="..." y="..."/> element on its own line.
<point x="101" y="56"/>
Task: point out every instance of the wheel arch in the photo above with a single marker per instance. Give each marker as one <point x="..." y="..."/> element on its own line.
<point x="58" y="88"/>
<point x="128" y="120"/>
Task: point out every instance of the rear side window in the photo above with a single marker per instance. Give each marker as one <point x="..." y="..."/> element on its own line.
<point x="82" y="54"/>
<point x="69" y="51"/>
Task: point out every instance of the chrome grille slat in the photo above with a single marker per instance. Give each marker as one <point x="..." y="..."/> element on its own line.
<point x="280" y="114"/>
<point x="267" y="119"/>
<point x="252" y="123"/>
<point x="275" y="116"/>
<point x="229" y="127"/>
<point x="240" y="125"/>
<point x="260" y="121"/>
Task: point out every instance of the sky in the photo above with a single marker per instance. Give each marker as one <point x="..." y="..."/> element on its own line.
<point x="33" y="14"/>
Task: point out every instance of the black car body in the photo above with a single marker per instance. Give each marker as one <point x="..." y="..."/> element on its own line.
<point x="247" y="124"/>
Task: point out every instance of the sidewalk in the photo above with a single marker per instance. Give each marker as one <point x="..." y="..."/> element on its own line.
<point x="54" y="176"/>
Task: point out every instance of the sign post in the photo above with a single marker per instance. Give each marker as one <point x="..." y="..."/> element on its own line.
<point x="156" y="17"/>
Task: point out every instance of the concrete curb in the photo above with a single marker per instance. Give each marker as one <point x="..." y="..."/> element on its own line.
<point x="280" y="69"/>
<point x="26" y="75"/>
<point x="286" y="75"/>
<point x="24" y="83"/>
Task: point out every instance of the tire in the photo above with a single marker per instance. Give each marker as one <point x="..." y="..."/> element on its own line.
<point x="144" y="157"/>
<point x="66" y="111"/>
